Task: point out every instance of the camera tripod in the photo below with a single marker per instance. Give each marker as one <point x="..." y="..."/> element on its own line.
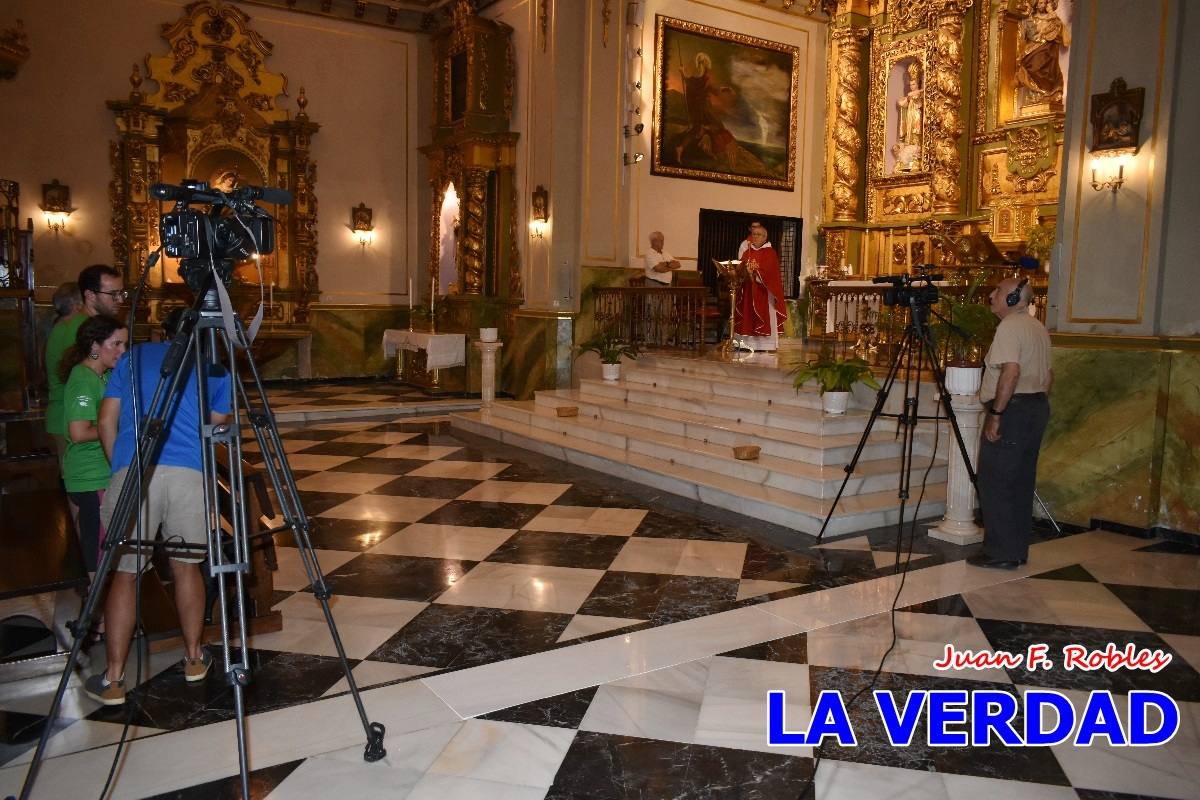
<point x="206" y="336"/>
<point x="918" y="342"/>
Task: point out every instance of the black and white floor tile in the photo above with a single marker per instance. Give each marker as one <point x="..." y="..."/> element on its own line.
<point x="450" y="556"/>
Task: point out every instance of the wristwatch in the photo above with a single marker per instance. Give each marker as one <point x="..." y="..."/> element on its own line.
<point x="997" y="412"/>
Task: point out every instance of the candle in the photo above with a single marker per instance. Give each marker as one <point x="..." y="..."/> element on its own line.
<point x="867" y="248"/>
<point x="410" y="295"/>
<point x="432" y="295"/>
<point x="271" y="298"/>
<point x="887" y="257"/>
<point x="908" y="249"/>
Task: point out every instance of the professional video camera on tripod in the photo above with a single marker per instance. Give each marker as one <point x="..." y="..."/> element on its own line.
<point x="208" y="243"/>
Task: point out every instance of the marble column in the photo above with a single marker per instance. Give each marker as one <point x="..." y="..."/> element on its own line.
<point x="487" y="370"/>
<point x="958" y="526"/>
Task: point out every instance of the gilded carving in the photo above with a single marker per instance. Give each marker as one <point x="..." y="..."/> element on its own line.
<point x="847" y="142"/>
<point x="907" y="203"/>
<point x="835" y="248"/>
<point x="471" y="246"/>
<point x="943" y="104"/>
<point x="908" y="15"/>
<point x="605" y="19"/>
<point x="1031" y="157"/>
<point x="544" y="22"/>
<point x="516" y="291"/>
<point x="183" y="49"/>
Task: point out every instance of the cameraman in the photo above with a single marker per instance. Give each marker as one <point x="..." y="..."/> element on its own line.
<point x="174" y="499"/>
<point x="1016" y="382"/>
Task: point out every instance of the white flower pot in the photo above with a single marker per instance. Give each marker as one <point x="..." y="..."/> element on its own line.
<point x="611" y="372"/>
<point x="835" y="402"/>
<point x="963" y="380"/>
<point x="489" y="334"/>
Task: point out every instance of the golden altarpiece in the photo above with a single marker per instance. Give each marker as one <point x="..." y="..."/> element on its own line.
<point x="945" y="118"/>
<point x="474" y="261"/>
<point x="214" y="117"/>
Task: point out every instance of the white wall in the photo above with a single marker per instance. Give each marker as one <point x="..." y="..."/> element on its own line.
<point x="671" y="204"/>
<point x="363" y="86"/>
<point x="1114" y="258"/>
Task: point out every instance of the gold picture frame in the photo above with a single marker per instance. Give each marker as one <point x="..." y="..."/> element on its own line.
<point x="706" y="106"/>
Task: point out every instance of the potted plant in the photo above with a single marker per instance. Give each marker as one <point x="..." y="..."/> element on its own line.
<point x="835" y="377"/>
<point x="1040" y="242"/>
<point x="488" y="312"/>
<point x="965" y="335"/>
<point x="609" y="347"/>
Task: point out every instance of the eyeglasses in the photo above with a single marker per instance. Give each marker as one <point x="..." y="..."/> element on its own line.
<point x="120" y="294"/>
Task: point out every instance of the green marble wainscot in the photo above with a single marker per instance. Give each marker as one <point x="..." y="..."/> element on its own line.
<point x="1102" y="452"/>
<point x="537" y="354"/>
<point x="347" y="342"/>
<point x="1179" y="503"/>
<point x="594" y="278"/>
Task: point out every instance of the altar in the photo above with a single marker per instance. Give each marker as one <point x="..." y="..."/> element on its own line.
<point x="435" y="362"/>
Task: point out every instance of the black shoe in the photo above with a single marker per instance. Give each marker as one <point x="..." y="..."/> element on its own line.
<point x="984" y="560"/>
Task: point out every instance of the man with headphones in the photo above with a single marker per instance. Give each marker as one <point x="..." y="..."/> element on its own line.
<point x="1015" y="388"/>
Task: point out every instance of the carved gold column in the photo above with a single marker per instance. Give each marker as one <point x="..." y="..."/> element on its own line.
<point x="847" y="141"/>
<point x="944" y="105"/>
<point x="135" y="158"/>
<point x="473" y="203"/>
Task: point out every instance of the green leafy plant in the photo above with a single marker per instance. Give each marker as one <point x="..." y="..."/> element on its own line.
<point x="969" y="325"/>
<point x="609" y="347"/>
<point x="489" y="311"/>
<point x="834" y="374"/>
<point x="1041" y="240"/>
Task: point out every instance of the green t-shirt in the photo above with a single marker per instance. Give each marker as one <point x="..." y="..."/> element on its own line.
<point x="61" y="337"/>
<point x="85" y="469"/>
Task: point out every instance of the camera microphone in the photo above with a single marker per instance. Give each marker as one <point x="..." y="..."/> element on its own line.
<point x="188" y="192"/>
<point x="268" y="194"/>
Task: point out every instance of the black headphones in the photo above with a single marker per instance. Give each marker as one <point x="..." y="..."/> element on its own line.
<point x="1014" y="297"/>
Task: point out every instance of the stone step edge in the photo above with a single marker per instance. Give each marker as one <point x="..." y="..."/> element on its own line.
<point x="822" y="473"/>
<point x="779" y="499"/>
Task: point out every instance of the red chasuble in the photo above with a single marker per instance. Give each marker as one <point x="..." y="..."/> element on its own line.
<point x="752" y="317"/>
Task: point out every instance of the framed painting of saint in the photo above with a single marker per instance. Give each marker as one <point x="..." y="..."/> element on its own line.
<point x="724" y="106"/>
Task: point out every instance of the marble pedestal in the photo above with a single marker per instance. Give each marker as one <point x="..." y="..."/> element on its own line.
<point x="487" y="370"/>
<point x="958" y="525"/>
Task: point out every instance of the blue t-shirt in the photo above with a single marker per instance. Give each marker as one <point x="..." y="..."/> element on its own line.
<point x="181" y="444"/>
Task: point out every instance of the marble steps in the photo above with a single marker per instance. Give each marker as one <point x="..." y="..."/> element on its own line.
<point x="779" y="506"/>
<point x="765" y="376"/>
<point x="724" y="388"/>
<point x="835" y="447"/>
<point x="806" y="478"/>
<point x="802" y="421"/>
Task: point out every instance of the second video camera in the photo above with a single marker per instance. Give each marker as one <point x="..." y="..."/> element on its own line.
<point x="908" y="290"/>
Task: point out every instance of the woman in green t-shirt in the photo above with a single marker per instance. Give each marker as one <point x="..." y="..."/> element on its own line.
<point x="99" y="343"/>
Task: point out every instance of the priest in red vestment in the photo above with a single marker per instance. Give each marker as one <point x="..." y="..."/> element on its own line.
<point x="759" y="308"/>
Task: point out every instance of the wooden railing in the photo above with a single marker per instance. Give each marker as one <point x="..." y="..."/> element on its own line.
<point x="853" y="320"/>
<point x="666" y="318"/>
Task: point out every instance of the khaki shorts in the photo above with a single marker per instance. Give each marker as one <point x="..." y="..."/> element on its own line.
<point x="175" y="500"/>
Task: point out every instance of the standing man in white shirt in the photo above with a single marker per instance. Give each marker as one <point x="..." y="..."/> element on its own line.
<point x="660" y="265"/>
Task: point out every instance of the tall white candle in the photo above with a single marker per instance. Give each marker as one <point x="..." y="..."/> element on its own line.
<point x="887" y="257"/>
<point x="432" y="295"/>
<point x="908" y="248"/>
<point x="410" y="294"/>
<point x="867" y="253"/>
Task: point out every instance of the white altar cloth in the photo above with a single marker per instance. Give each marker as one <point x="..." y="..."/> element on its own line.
<point x="442" y="350"/>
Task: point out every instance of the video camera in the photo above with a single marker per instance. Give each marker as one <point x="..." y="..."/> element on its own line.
<point x="907" y="290"/>
<point x="234" y="228"/>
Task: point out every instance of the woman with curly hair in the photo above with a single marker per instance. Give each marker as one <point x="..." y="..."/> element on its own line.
<point x="99" y="343"/>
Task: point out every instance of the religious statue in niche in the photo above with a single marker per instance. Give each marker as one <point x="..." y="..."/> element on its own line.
<point x="1043" y="37"/>
<point x="909" y="108"/>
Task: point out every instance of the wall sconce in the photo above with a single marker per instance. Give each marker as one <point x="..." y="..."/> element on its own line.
<point x="541" y="212"/>
<point x="56" y="205"/>
<point x="361" y="225"/>
<point x="1116" y="117"/>
<point x="630" y="159"/>
<point x="1107" y="178"/>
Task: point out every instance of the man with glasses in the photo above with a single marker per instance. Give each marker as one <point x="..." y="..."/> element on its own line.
<point x="100" y="289"/>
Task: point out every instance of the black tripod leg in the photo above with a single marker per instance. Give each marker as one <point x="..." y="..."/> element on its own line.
<point x="169" y="384"/>
<point x="284" y="484"/>
<point x="880" y="399"/>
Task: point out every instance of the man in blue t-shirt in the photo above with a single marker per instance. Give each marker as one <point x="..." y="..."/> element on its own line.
<point x="174" y="500"/>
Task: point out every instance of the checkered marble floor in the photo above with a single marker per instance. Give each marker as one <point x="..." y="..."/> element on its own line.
<point x="550" y="632"/>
